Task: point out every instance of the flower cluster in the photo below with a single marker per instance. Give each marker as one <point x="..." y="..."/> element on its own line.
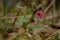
<point x="40" y="14"/>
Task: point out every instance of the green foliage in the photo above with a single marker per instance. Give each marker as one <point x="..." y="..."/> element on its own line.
<point x="28" y="11"/>
<point x="13" y="10"/>
<point x="5" y="3"/>
<point x="24" y="18"/>
<point x="37" y="26"/>
<point x="21" y="20"/>
<point x="5" y="25"/>
<point x="57" y="36"/>
<point x="21" y="38"/>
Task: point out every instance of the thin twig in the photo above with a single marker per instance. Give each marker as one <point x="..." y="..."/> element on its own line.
<point x="52" y="33"/>
<point x="16" y="18"/>
<point x="48" y="34"/>
<point x="49" y="6"/>
<point x="9" y="17"/>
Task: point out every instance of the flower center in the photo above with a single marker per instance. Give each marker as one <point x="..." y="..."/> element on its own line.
<point x="38" y="14"/>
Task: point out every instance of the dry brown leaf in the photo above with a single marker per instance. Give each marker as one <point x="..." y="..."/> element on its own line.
<point x="21" y="31"/>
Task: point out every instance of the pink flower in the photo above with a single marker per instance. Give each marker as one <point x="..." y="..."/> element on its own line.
<point x="40" y="14"/>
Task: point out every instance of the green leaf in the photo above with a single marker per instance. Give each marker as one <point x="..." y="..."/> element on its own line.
<point x="28" y="11"/>
<point x="21" y="20"/>
<point x="37" y="27"/>
<point x="57" y="36"/>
